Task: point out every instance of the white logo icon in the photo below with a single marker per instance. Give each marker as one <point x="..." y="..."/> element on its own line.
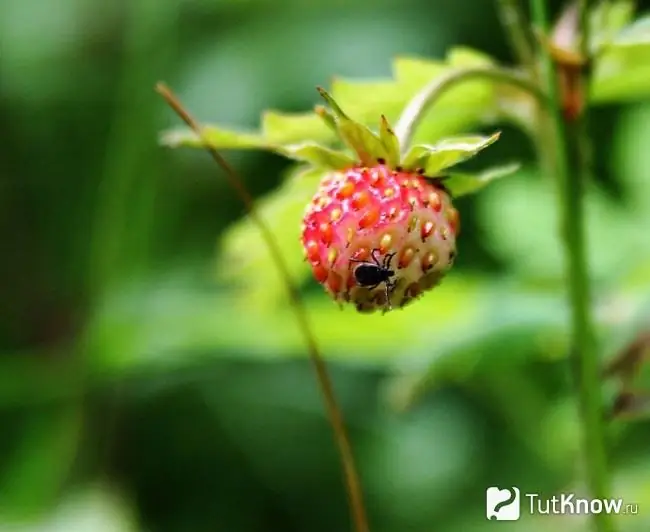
<point x="502" y="504"/>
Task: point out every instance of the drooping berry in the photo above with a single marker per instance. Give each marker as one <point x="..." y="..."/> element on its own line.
<point x="395" y="220"/>
<point x="378" y="233"/>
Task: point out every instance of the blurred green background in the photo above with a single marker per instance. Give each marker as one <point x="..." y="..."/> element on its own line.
<point x="140" y="391"/>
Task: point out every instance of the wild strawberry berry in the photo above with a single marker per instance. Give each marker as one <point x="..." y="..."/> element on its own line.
<point x="382" y="217"/>
<point x="380" y="229"/>
<point x="378" y="232"/>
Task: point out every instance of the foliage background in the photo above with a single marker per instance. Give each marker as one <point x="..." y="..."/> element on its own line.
<point x="141" y="391"/>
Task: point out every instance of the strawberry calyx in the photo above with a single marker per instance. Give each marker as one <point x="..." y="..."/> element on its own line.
<point x="365" y="148"/>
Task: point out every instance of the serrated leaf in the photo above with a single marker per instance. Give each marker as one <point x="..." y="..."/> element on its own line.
<point x="358" y="137"/>
<point x="317" y="155"/>
<point x="289" y="128"/>
<point x="446" y="153"/>
<point x="217" y="137"/>
<point x="390" y="141"/>
<point x="461" y="184"/>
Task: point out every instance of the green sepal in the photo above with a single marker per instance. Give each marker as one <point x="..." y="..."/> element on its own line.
<point x="390" y="142"/>
<point x="432" y="159"/>
<point x="317" y="155"/>
<point x="327" y="117"/>
<point x="367" y="146"/>
<point x="463" y="184"/>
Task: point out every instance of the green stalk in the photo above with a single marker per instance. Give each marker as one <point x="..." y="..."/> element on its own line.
<point x="420" y="104"/>
<point x="352" y="480"/>
<point x="513" y="21"/>
<point x="570" y="172"/>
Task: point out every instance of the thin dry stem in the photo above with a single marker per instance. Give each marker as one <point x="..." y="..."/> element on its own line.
<point x="336" y="419"/>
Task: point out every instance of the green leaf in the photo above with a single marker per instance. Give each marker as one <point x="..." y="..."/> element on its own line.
<point x="462" y="184"/>
<point x="358" y="137"/>
<point x="462" y="56"/>
<point x="415" y="72"/>
<point x="278" y="129"/>
<point x="41" y="462"/>
<point x="622" y="71"/>
<point x="245" y="261"/>
<point x="217" y="138"/>
<point x="607" y="19"/>
<point x="390" y="142"/>
<point x="525" y="318"/>
<point x="368" y="99"/>
<point x="635" y="34"/>
<point x="289" y="128"/>
<point x="518" y="218"/>
<point x="446" y="153"/>
<point x="464" y="105"/>
<point x="317" y="155"/>
<point x="164" y="325"/>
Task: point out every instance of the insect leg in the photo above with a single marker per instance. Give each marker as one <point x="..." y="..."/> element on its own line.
<point x="387" y="260"/>
<point x="375" y="258"/>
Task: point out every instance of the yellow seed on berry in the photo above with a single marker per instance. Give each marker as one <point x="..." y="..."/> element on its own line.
<point x="434" y="201"/>
<point x="331" y="256"/>
<point x="429" y="261"/>
<point x="427" y="229"/>
<point x="385" y="243"/>
<point x="406" y="257"/>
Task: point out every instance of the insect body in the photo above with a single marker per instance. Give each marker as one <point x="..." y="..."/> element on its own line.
<point x="372" y="274"/>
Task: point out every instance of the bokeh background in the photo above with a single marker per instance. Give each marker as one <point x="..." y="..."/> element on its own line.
<point x="140" y="390"/>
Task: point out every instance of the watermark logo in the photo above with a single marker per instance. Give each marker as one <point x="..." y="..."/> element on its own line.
<point x="506" y="504"/>
<point x="569" y="504"/>
<point x="503" y="504"/>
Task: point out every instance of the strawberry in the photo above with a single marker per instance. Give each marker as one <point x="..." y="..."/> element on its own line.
<point x="378" y="232"/>
<point x="381" y="228"/>
<point x="398" y="215"/>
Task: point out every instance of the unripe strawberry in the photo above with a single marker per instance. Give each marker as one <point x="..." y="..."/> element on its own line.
<point x="399" y="219"/>
<point x="379" y="232"/>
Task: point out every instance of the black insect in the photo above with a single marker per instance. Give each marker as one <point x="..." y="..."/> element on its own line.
<point x="372" y="274"/>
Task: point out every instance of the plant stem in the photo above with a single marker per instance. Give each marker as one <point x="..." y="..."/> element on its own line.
<point x="569" y="172"/>
<point x="421" y="102"/>
<point x="353" y="484"/>
<point x="514" y="22"/>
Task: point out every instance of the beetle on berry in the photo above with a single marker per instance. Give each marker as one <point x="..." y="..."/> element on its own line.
<point x="372" y="274"/>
